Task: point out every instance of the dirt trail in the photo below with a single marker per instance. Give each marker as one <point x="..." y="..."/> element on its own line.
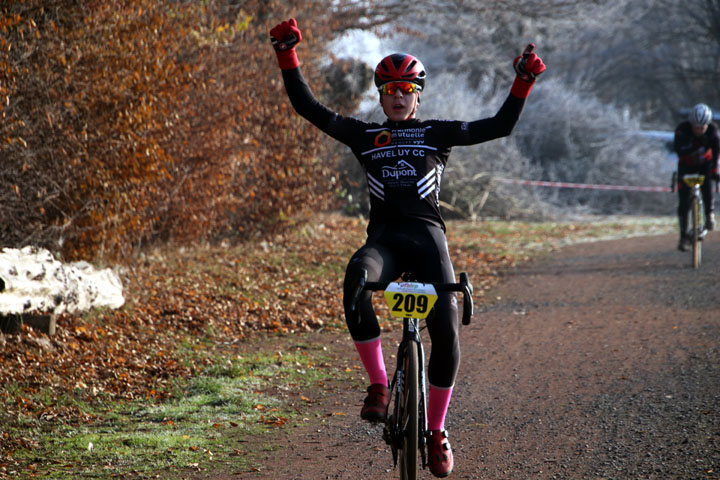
<point x="600" y="361"/>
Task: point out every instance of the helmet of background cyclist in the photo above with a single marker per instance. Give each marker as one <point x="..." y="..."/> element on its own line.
<point x="400" y="67"/>
<point x="700" y="115"/>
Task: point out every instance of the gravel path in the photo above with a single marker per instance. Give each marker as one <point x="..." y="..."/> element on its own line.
<point x="600" y="361"/>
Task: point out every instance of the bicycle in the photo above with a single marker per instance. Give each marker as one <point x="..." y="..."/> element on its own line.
<point x="697" y="214"/>
<point x="405" y="429"/>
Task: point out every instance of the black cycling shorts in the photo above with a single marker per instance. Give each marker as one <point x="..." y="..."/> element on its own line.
<point x="420" y="248"/>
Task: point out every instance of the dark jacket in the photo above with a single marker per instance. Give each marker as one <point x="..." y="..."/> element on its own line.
<point x="403" y="161"/>
<point x="695" y="151"/>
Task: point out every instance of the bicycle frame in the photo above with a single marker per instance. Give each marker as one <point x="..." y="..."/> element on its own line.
<point x="411" y="438"/>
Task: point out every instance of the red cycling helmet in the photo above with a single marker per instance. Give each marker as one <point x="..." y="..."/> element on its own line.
<point x="400" y="67"/>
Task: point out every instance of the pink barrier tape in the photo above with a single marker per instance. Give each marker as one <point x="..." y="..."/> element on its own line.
<point x="540" y="183"/>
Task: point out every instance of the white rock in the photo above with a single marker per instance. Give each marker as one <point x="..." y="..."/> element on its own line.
<point x="35" y="282"/>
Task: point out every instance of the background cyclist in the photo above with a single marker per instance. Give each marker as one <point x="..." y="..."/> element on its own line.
<point x="404" y="159"/>
<point x="697" y="146"/>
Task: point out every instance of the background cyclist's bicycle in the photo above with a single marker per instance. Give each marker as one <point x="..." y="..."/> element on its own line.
<point x="697" y="216"/>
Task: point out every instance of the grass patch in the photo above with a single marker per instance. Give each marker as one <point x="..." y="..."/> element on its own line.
<point x="520" y="239"/>
<point x="232" y="398"/>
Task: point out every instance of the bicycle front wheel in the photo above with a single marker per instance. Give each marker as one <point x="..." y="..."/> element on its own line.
<point x="409" y="415"/>
<point x="696" y="226"/>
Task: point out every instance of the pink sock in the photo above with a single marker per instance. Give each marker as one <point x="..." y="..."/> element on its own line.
<point x="438" y="401"/>
<point x="372" y="358"/>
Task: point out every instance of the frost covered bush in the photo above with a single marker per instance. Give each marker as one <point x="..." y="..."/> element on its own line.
<point x="573" y="137"/>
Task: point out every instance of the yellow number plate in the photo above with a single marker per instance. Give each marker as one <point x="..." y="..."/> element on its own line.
<point x="410" y="299"/>
<point x="692" y="180"/>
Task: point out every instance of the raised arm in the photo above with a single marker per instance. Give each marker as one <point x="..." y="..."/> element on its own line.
<point x="284" y="37"/>
<point x="527" y="66"/>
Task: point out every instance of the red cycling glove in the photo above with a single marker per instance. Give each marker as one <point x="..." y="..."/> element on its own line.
<point x="284" y="37"/>
<point x="528" y="66"/>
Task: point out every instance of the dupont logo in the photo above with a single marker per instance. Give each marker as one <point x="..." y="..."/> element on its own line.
<point x="401" y="169"/>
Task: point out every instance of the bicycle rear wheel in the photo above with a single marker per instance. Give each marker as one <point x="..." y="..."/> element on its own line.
<point x="409" y="415"/>
<point x="696" y="226"/>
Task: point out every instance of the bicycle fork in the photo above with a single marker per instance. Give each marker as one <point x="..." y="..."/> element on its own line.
<point x="698" y="213"/>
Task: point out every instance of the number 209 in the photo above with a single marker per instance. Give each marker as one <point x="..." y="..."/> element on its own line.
<point x="410" y="303"/>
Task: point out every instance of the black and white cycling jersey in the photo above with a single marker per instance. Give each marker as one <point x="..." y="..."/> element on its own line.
<point x="403" y="161"/>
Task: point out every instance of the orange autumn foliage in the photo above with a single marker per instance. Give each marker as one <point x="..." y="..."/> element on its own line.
<point x="136" y="121"/>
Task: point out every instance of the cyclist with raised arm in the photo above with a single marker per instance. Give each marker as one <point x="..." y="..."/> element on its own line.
<point x="697" y="145"/>
<point x="404" y="159"/>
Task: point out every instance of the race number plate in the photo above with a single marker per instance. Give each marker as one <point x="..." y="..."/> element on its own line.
<point x="410" y="299"/>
